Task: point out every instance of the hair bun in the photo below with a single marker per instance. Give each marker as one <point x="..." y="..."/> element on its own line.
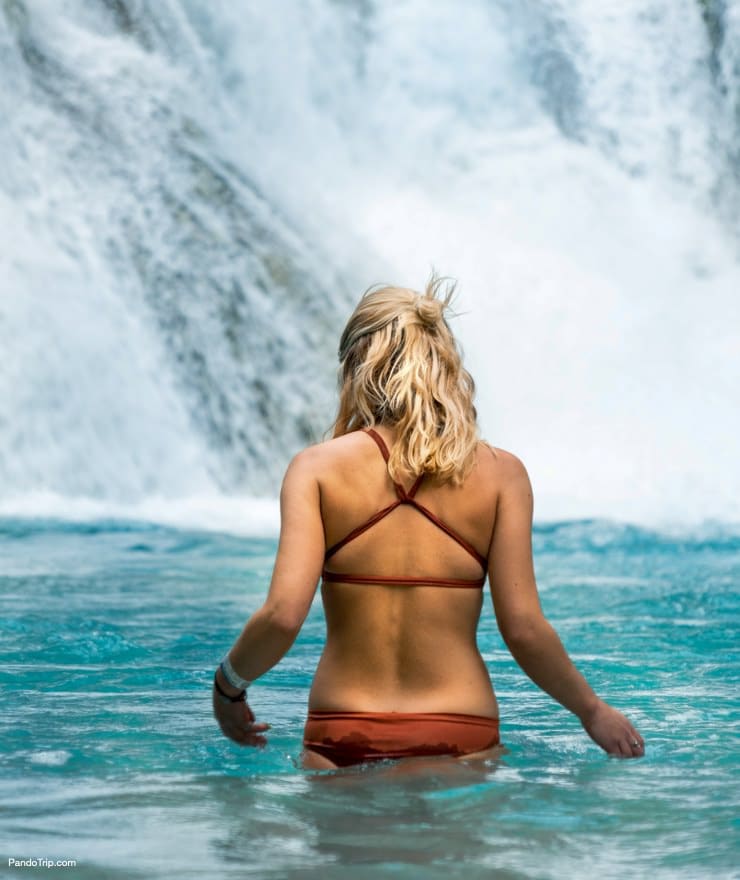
<point x="429" y="310"/>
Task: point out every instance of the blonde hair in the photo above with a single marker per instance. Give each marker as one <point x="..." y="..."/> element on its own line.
<point x="400" y="365"/>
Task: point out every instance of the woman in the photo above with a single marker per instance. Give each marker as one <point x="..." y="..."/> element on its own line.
<point x="403" y="513"/>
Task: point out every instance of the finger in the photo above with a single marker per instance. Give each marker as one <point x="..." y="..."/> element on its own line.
<point x="245" y="736"/>
<point x="633" y="749"/>
<point x="250" y="739"/>
<point x="636" y="741"/>
<point x="243" y="733"/>
<point x="260" y="727"/>
<point x="635" y="735"/>
<point x="622" y="749"/>
<point x="234" y="731"/>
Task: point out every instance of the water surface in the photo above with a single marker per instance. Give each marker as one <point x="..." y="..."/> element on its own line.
<point x="110" y="755"/>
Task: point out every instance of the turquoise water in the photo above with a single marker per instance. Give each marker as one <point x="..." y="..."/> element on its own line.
<point x="110" y="756"/>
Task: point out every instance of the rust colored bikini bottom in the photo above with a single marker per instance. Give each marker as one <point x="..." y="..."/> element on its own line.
<point x="354" y="737"/>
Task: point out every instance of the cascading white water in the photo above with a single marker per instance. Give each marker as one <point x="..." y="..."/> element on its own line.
<point x="193" y="194"/>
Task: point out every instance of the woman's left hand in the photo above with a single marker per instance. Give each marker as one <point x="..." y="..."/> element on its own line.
<point x="237" y="721"/>
<point x="613" y="732"/>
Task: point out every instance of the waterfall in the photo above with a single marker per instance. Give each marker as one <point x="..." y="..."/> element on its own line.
<point x="193" y="195"/>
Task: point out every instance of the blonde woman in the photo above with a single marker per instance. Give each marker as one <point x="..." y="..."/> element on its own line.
<point x="403" y="515"/>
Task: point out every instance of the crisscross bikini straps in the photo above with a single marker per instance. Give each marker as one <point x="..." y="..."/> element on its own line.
<point x="404" y="497"/>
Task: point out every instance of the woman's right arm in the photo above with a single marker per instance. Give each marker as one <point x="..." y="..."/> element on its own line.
<point x="271" y="630"/>
<point x="533" y="642"/>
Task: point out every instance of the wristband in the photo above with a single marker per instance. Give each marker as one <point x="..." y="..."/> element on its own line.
<point x="232" y="676"/>
<point x="241" y="697"/>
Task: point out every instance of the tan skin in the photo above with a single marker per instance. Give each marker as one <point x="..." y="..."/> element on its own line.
<point x="408" y="648"/>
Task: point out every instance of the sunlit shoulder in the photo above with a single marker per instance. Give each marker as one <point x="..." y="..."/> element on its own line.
<point x="313" y="461"/>
<point x="508" y="464"/>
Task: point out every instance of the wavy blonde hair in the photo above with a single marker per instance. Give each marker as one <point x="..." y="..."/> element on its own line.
<point x="400" y="365"/>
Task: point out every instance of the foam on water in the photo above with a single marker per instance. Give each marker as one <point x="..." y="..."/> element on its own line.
<point x="259" y="517"/>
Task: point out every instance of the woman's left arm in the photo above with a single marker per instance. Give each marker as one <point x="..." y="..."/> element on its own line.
<point x="272" y="629"/>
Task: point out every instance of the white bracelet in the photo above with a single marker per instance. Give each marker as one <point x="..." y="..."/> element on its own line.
<point x="232" y="676"/>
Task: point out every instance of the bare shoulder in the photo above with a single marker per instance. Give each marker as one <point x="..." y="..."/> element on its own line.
<point x="509" y="469"/>
<point x="321" y="457"/>
<point x="505" y="462"/>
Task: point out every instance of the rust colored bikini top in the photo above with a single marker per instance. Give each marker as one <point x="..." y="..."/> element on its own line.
<point x="403" y="497"/>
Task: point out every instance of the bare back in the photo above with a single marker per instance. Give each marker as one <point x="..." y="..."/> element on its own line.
<point x="404" y="648"/>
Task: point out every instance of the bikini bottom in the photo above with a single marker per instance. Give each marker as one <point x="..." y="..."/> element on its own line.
<point x="354" y="737"/>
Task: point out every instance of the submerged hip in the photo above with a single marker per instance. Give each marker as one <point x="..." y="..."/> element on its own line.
<point x="347" y="738"/>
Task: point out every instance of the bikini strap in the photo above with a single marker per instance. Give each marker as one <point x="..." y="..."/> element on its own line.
<point x="404" y="497"/>
<point x="355" y="533"/>
<point x="334" y="577"/>
<point x="408" y="498"/>
<point x="402" y="494"/>
<point x="441" y="524"/>
<point x="371" y="432"/>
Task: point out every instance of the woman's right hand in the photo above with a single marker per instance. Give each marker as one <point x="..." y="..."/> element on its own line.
<point x="238" y="723"/>
<point x="615" y="734"/>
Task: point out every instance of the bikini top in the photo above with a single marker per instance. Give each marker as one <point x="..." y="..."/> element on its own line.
<point x="403" y="497"/>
